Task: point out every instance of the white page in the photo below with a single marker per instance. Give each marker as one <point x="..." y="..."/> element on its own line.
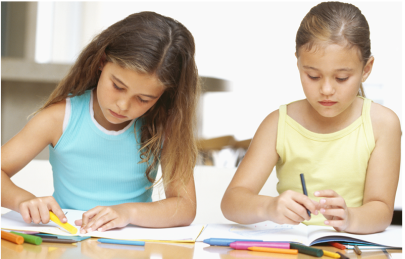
<point x="392" y="236"/>
<point x="14" y="221"/>
<point x="266" y="231"/>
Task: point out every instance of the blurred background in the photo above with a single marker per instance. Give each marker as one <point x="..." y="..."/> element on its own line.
<point x="244" y="53"/>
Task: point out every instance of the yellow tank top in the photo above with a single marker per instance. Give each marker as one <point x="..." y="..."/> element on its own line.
<point x="335" y="161"/>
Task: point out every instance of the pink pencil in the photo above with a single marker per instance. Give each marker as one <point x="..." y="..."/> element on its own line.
<point x="243" y="245"/>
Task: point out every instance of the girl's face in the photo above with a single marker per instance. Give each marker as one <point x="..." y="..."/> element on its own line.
<point x="331" y="77"/>
<point x="124" y="95"/>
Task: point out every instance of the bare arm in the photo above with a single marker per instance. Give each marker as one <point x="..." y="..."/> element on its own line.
<point x="43" y="129"/>
<point x="177" y="209"/>
<point x="381" y="181"/>
<point x="382" y="175"/>
<point x="243" y="204"/>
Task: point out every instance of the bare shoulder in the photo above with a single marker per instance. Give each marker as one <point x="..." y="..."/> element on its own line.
<point x="294" y="110"/>
<point x="41" y="130"/>
<point x="51" y="119"/>
<point x="267" y="131"/>
<point x="384" y="121"/>
<point x="54" y="113"/>
<point x="270" y="123"/>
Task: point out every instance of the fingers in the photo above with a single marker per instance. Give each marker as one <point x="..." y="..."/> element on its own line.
<point x="326" y="193"/>
<point x="94" y="218"/>
<point x="294" y="218"/>
<point x="306" y="204"/>
<point x="340" y="213"/>
<point x="333" y="202"/>
<point x="55" y="208"/>
<point x="332" y="199"/>
<point x="334" y="208"/>
<point x="37" y="210"/>
<point x="109" y="225"/>
<point x="291" y="208"/>
<point x="34" y="213"/>
<point x="88" y="215"/>
<point x="337" y="224"/>
<point x="25" y="213"/>
<point x="78" y="222"/>
<point x="104" y="218"/>
<point x="44" y="214"/>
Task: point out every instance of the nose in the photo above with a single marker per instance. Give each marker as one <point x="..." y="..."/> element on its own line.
<point x="327" y="88"/>
<point x="123" y="104"/>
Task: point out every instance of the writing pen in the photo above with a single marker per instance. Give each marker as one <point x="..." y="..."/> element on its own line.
<point x="304" y="189"/>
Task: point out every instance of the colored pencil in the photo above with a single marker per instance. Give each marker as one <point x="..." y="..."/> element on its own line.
<point x="307" y="250"/>
<point x="331" y="254"/>
<point x="71" y="229"/>
<point x="273" y="250"/>
<point x="12" y="237"/>
<point x="337" y="245"/>
<point x="29" y="238"/>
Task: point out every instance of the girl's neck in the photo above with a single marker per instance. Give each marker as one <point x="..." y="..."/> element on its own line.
<point x="317" y="123"/>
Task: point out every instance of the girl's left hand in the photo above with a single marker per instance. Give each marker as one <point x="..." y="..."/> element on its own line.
<point x="334" y="208"/>
<point x="103" y="218"/>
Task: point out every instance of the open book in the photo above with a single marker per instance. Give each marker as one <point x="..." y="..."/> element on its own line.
<point x="306" y="235"/>
<point x="13" y="221"/>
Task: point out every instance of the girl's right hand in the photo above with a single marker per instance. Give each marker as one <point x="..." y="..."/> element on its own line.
<point x="37" y="210"/>
<point x="291" y="208"/>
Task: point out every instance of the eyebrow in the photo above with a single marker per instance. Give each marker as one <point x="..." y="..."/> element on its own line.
<point x="340" y="69"/>
<point x="122" y="83"/>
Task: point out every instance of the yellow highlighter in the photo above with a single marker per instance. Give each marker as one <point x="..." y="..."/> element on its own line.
<point x="67" y="226"/>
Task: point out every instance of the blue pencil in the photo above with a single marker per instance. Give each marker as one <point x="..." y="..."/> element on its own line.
<point x="225" y="241"/>
<point x="121" y="242"/>
<point x="304" y="189"/>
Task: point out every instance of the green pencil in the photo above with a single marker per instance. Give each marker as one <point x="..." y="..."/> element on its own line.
<point x="29" y="238"/>
<point x="307" y="250"/>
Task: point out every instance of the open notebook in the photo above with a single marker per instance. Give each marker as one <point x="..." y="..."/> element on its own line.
<point x="306" y="235"/>
<point x="13" y="221"/>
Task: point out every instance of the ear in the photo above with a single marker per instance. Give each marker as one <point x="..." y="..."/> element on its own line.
<point x="296" y="57"/>
<point x="367" y="69"/>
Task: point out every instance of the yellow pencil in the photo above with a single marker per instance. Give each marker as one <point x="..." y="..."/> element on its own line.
<point x="273" y="250"/>
<point x="67" y="226"/>
<point x="331" y="254"/>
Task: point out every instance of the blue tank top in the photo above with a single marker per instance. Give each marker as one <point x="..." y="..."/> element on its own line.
<point x="91" y="167"/>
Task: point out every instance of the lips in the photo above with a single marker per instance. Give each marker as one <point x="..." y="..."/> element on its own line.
<point x="117" y="115"/>
<point x="327" y="103"/>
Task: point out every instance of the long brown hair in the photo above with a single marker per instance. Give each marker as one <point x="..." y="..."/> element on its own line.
<point x="153" y="44"/>
<point x="335" y="23"/>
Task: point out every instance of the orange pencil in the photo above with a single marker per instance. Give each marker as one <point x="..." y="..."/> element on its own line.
<point x="274" y="250"/>
<point x="12" y="237"/>
<point x="337" y="245"/>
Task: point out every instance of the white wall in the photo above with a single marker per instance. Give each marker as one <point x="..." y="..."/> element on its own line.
<point x="252" y="44"/>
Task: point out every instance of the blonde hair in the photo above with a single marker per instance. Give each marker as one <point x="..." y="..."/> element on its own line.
<point x="335" y="23"/>
<point x="153" y="44"/>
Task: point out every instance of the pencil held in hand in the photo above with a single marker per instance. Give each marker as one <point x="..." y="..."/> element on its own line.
<point x="304" y="189"/>
<point x="67" y="226"/>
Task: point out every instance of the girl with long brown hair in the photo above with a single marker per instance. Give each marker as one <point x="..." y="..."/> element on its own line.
<point x="347" y="147"/>
<point x="127" y="105"/>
